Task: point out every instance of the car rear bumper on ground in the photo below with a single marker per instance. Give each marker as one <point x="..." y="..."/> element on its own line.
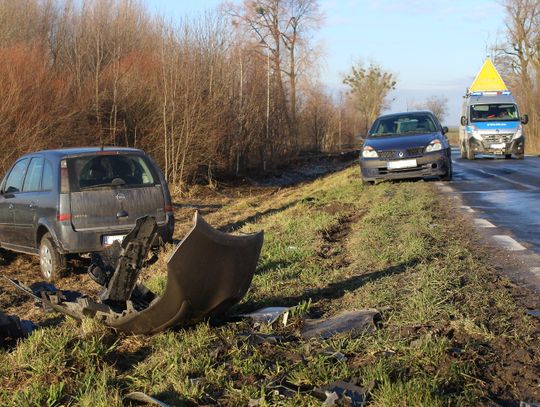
<point x="487" y="147"/>
<point x="428" y="165"/>
<point x="92" y="240"/>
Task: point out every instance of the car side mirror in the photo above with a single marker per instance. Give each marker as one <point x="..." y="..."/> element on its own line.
<point x="444" y="130"/>
<point x="525" y="119"/>
<point x="464" y="121"/>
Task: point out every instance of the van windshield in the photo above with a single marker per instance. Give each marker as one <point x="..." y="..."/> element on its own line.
<point x="494" y="112"/>
<point x="403" y="124"/>
<point x="98" y="171"/>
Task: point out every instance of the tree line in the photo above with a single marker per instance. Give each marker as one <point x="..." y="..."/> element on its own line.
<point x="517" y="57"/>
<point x="232" y="90"/>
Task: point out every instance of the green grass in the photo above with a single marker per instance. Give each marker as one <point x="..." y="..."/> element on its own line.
<point x="334" y="246"/>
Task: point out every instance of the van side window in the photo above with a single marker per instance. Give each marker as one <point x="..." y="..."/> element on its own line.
<point x="33" y="175"/>
<point x="15" y="178"/>
<point x="47" y="180"/>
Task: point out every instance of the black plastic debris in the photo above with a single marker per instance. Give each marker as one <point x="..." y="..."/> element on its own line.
<point x="145" y="398"/>
<point x="351" y="322"/>
<point x="13" y="328"/>
<point x="342" y="393"/>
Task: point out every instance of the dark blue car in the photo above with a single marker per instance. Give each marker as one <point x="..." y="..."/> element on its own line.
<point x="406" y="145"/>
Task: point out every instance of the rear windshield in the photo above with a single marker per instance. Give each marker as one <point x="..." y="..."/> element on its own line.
<point x="103" y="171"/>
<point x="494" y="112"/>
<point x="403" y="124"/>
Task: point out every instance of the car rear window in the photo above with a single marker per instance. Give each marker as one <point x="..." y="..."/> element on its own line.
<point x="110" y="170"/>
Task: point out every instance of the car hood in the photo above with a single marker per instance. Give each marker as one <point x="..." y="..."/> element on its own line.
<point x="403" y="141"/>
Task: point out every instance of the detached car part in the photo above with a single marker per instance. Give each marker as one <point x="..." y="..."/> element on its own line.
<point x="12" y="328"/>
<point x="208" y="272"/>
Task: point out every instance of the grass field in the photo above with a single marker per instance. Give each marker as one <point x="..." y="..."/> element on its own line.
<point x="453" y="331"/>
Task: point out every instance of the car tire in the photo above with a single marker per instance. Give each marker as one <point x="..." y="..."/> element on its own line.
<point x="367" y="183"/>
<point x="449" y="172"/>
<point x="470" y="152"/>
<point x="51" y="262"/>
<point x="507" y="156"/>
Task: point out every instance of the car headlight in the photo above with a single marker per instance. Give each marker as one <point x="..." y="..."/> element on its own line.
<point x="474" y="132"/>
<point x="518" y="133"/>
<point x="369" y="152"/>
<point x="434" y="145"/>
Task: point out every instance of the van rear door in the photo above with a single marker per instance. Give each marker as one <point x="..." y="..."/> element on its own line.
<point x="109" y="191"/>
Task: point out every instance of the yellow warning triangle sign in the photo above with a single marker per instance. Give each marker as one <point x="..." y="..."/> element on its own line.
<point x="488" y="79"/>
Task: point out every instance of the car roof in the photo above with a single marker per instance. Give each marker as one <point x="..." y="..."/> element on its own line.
<point x="410" y="113"/>
<point x="64" y="152"/>
<point x="487" y="99"/>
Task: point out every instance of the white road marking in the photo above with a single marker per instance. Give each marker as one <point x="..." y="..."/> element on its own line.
<point x="467" y="208"/>
<point x="483" y="223"/>
<point x="508" y="243"/>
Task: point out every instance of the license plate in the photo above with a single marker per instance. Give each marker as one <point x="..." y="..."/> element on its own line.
<point x="395" y="165"/>
<point x="498" y="146"/>
<point x="109" y="240"/>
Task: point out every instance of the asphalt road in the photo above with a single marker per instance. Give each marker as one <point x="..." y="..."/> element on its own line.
<point x="502" y="193"/>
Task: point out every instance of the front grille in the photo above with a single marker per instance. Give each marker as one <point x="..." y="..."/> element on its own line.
<point x="386" y="154"/>
<point x="394" y="154"/>
<point x="497" y="138"/>
<point x="414" y="152"/>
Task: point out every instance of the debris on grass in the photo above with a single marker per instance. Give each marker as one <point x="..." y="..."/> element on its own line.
<point x="342" y="393"/>
<point x="268" y="315"/>
<point x="13" y="328"/>
<point x="354" y="323"/>
<point x="145" y="398"/>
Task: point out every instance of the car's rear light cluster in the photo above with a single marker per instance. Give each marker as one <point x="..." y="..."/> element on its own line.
<point x="61" y="217"/>
<point x="64" y="177"/>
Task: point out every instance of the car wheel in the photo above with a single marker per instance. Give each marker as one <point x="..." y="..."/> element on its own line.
<point x="449" y="172"/>
<point x="367" y="183"/>
<point x="51" y="262"/>
<point x="508" y="156"/>
<point x="470" y="152"/>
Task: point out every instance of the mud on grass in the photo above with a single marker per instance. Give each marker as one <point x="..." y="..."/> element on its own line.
<point x="453" y="333"/>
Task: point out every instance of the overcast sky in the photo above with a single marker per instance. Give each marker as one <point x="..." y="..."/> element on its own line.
<point x="434" y="47"/>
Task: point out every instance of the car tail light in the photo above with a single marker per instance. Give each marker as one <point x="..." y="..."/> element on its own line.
<point x="64" y="177"/>
<point x="61" y="217"/>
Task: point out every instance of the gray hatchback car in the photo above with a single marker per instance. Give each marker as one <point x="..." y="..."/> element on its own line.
<point x="56" y="203"/>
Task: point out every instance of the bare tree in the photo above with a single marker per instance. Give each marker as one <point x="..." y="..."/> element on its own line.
<point x="436" y="104"/>
<point x="520" y="59"/>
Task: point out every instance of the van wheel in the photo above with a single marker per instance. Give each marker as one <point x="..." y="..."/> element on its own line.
<point x="508" y="156"/>
<point x="470" y="152"/>
<point x="52" y="263"/>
